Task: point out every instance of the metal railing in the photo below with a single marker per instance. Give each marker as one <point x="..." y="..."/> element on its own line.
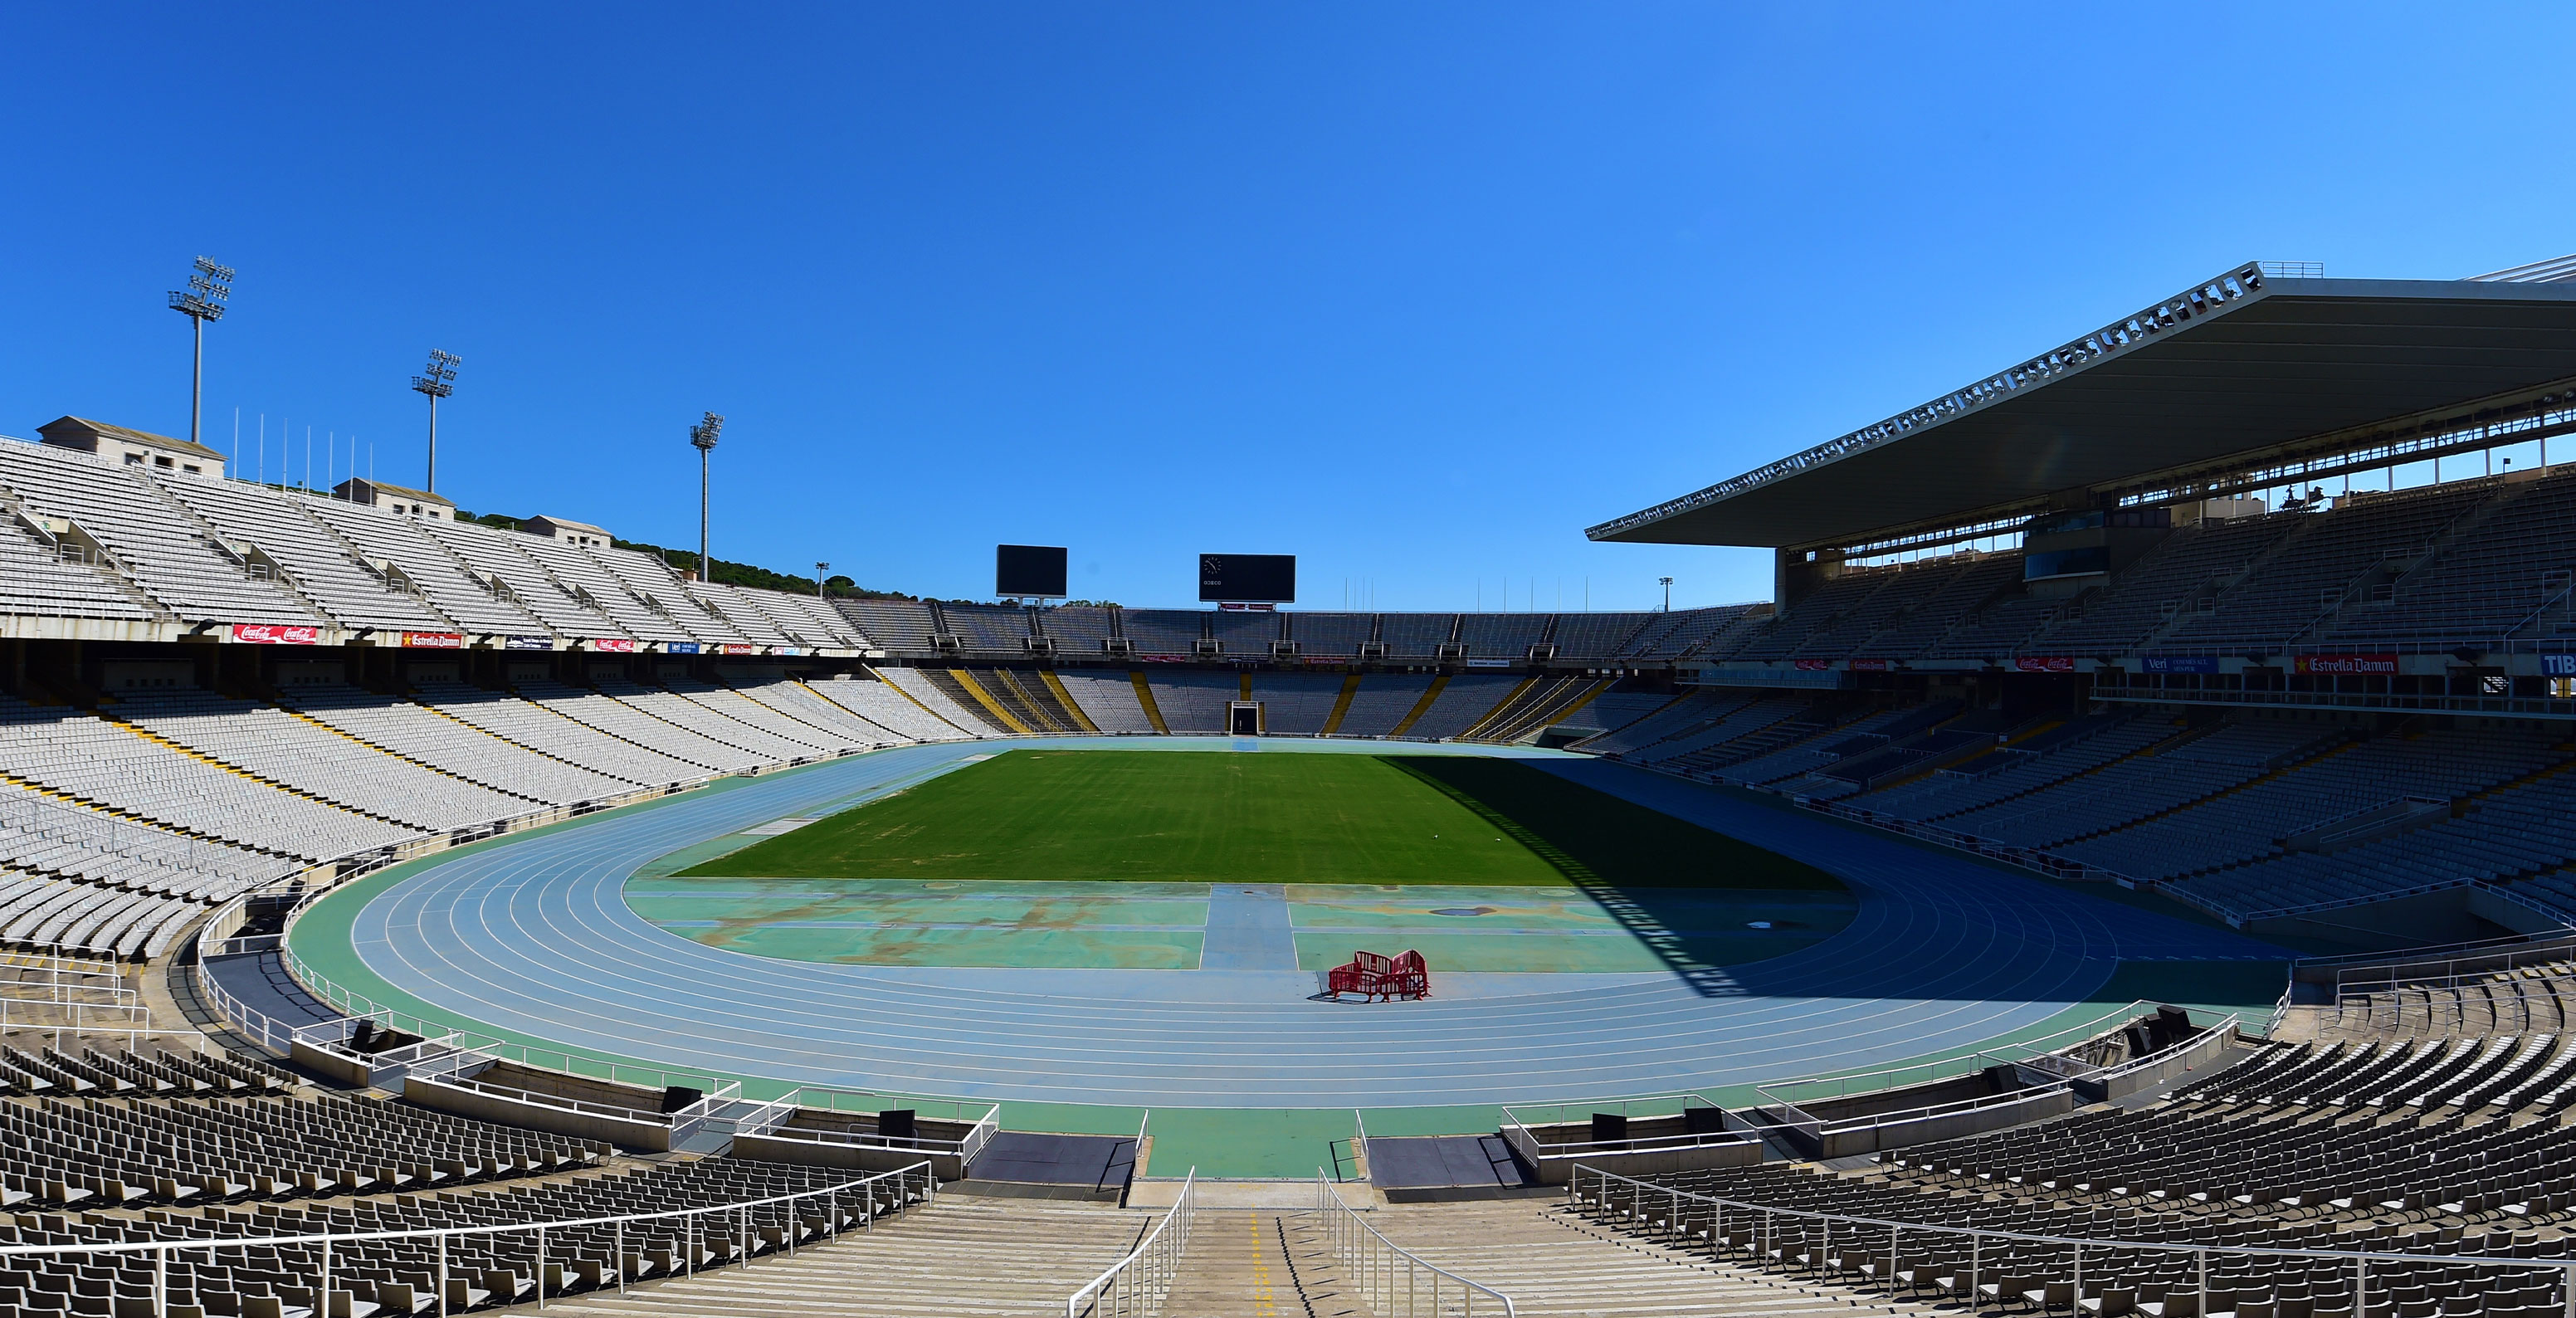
<point x="775" y="1119"/>
<point x="1140" y="1283"/>
<point x="1396" y="1282"/>
<point x="1878" y="1248"/>
<point x="729" y="1223"/>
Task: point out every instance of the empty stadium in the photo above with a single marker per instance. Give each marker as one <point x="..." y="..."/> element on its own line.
<point x="2134" y="876"/>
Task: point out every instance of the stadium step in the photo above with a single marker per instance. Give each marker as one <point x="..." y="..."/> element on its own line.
<point x="964" y="1256"/>
<point x="1422" y="706"/>
<point x="1341" y="705"/>
<point x="952" y="683"/>
<point x="1257" y="1263"/>
<point x="1003" y="697"/>
<point x="1072" y="707"/>
<point x="1555" y="1265"/>
<point x="1503" y="710"/>
<point x="1145" y="698"/>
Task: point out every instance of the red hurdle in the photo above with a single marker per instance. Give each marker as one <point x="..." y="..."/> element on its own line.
<point x="1380" y="978"/>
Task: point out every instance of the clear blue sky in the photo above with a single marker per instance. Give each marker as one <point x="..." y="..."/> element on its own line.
<point x="1413" y="291"/>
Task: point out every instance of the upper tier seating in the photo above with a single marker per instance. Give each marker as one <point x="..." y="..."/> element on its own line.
<point x="1162" y="631"/>
<point x="1332" y="635"/>
<point x="1415" y="635"/>
<point x="318" y="566"/>
<point x="503" y="559"/>
<point x="168" y="554"/>
<point x="2484" y="586"/>
<point x="41" y="578"/>
<point x="443" y="579"/>
<point x="1596" y="635"/>
<point x="1502" y="635"/>
<point x="1079" y="629"/>
<point x="901" y="627"/>
<point x="2329" y="551"/>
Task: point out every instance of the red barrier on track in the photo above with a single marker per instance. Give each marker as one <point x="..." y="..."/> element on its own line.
<point x="1379" y="977"/>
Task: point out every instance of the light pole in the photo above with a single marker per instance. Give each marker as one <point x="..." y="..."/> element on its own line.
<point x="1668" y="593"/>
<point x="819" y="570"/>
<point x="436" y="380"/>
<point x="209" y="287"/>
<point x="703" y="435"/>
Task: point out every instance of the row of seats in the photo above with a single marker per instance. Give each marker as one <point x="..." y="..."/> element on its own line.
<point x="2427" y="1149"/>
<point x="2473" y="562"/>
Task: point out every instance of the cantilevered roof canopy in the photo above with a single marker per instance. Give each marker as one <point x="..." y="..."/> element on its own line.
<point x="2243" y="363"/>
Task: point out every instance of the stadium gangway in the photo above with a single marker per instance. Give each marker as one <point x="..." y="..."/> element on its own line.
<point x="1659" y="1211"/>
<point x="1849" y="1084"/>
<point x="1138" y="1285"/>
<point x="770" y="1120"/>
<point x="1397" y="1282"/>
<point x="731" y="1222"/>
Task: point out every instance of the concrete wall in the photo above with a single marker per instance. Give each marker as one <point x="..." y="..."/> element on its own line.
<point x="647" y="1136"/>
<point x="861" y="1157"/>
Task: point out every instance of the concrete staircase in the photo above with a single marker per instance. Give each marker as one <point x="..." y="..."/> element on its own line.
<point x="964" y="1256"/>
<point x="1261" y="1263"/>
<point x="1556" y="1265"/>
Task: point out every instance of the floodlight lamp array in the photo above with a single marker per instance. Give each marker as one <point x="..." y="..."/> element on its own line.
<point x="704" y="433"/>
<point x="210" y="286"/>
<point x="438" y="379"/>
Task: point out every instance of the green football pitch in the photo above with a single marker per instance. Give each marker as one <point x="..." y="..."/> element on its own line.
<point x="1151" y="816"/>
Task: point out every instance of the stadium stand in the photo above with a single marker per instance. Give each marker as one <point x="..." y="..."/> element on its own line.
<point x="1194" y="701"/>
<point x="1296" y="704"/>
<point x="1383" y="701"/>
<point x="1107" y="699"/>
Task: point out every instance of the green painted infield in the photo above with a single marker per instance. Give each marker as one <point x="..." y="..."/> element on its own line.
<point x="1311" y="819"/>
<point x="1162" y="926"/>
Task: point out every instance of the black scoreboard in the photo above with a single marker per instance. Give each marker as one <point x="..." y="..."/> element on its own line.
<point x="1025" y="571"/>
<point x="1248" y="578"/>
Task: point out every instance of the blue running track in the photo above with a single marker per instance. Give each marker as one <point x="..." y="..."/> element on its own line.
<point x="532" y="935"/>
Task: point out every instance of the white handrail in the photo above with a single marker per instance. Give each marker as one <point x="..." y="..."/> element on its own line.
<point x="1139" y="1283"/>
<point x="1389" y="1275"/>
<point x="1660" y="1207"/>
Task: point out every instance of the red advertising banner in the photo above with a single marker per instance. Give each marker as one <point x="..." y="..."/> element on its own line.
<point x="1164" y="658"/>
<point x="269" y="633"/>
<point x="1326" y="660"/>
<point x="613" y="645"/>
<point x="1812" y="665"/>
<point x="2045" y="663"/>
<point x="1869" y="665"/>
<point x="737" y="649"/>
<point x="2348" y="665"/>
<point x="433" y="641"/>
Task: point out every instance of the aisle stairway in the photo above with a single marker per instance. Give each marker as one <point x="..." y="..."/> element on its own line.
<point x="963" y="1256"/>
<point x="1260" y="1263"/>
<point x="1555" y="1265"/>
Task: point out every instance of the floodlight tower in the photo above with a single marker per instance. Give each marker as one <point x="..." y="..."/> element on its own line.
<point x="209" y="287"/>
<point x="703" y="435"/>
<point x="436" y="381"/>
<point x="1667" y="583"/>
<point x="819" y="570"/>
